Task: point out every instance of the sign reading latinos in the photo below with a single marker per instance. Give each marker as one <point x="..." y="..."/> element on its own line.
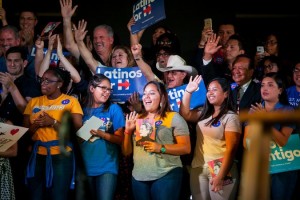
<point x="124" y="81"/>
<point x="53" y="58"/>
<point x="286" y="158"/>
<point x="198" y="97"/>
<point x="146" y="13"/>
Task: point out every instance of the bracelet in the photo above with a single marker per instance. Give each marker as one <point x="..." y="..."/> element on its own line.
<point x="188" y="92"/>
<point x="55" y="121"/>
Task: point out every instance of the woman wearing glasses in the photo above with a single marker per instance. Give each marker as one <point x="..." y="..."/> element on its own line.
<point x="101" y="152"/>
<point x="42" y="116"/>
<point x="274" y="64"/>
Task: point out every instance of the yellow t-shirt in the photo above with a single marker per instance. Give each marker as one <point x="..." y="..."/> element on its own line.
<point x="54" y="108"/>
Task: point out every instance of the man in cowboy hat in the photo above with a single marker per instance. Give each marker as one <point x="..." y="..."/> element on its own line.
<point x="176" y="72"/>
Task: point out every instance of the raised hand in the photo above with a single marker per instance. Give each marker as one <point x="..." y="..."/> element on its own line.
<point x="81" y="31"/>
<point x="66" y="8"/>
<point x="130" y="121"/>
<point x="193" y="84"/>
<point x="211" y="46"/>
<point x="136" y="50"/>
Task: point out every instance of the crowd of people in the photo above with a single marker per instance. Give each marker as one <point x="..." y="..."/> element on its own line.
<point x="142" y="149"/>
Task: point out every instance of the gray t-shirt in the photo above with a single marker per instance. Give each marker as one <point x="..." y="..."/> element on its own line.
<point x="152" y="166"/>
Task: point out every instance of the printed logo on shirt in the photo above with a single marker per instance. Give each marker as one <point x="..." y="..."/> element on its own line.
<point x="158" y="123"/>
<point x="216" y="124"/>
<point x="66" y="101"/>
<point x="36" y="110"/>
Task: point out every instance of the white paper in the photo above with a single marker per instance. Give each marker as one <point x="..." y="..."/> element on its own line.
<point x="92" y="123"/>
<point x="9" y="135"/>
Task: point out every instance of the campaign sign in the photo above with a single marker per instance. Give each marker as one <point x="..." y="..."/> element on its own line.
<point x="286" y="158"/>
<point x="124" y="81"/>
<point x="197" y="99"/>
<point x="53" y="58"/>
<point x="146" y="13"/>
<point x="9" y="135"/>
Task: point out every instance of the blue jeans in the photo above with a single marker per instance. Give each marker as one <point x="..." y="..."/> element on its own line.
<point x="62" y="177"/>
<point x="166" y="187"/>
<point x="283" y="185"/>
<point x="103" y="187"/>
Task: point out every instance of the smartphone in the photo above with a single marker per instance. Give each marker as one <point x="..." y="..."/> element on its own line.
<point x="208" y="23"/>
<point x="260" y="49"/>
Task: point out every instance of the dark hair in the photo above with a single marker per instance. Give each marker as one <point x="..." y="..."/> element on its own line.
<point x="173" y="39"/>
<point x="227" y="21"/>
<point x="227" y="105"/>
<point x="280" y="81"/>
<point x="18" y="49"/>
<point x="241" y="41"/>
<point x="167" y="49"/>
<point x="94" y="82"/>
<point x="251" y="62"/>
<point x="164" y="105"/>
<point x="274" y="59"/>
<point x="63" y="75"/>
<point x="29" y="9"/>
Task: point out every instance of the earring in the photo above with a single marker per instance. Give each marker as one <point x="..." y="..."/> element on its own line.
<point x="57" y="87"/>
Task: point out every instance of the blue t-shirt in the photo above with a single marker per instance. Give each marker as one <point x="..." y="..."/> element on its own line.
<point x="281" y="107"/>
<point x="101" y="156"/>
<point x="3" y="67"/>
<point x="293" y="96"/>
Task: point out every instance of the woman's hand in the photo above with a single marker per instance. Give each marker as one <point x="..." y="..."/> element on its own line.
<point x="44" y="120"/>
<point x="130" y="122"/>
<point x="152" y="147"/>
<point x="217" y="184"/>
<point x="136" y="50"/>
<point x="257" y="107"/>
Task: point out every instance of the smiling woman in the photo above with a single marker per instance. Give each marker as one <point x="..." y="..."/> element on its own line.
<point x="218" y="135"/>
<point x="100" y="153"/>
<point x="157" y="171"/>
<point x="43" y="118"/>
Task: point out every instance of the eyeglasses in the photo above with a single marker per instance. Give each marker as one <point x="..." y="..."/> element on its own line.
<point x="271" y="42"/>
<point x="105" y="89"/>
<point x="163" y="43"/>
<point x="162" y="54"/>
<point x="296" y="71"/>
<point x="46" y="81"/>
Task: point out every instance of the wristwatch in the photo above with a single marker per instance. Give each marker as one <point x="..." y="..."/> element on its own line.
<point x="163" y="149"/>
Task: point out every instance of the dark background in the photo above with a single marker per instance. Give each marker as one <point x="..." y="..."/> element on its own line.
<point x="254" y="18"/>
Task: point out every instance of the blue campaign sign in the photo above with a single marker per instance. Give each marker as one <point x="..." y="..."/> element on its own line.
<point x="124" y="81"/>
<point x="198" y="97"/>
<point x="146" y="13"/>
<point x="53" y="58"/>
<point x="285" y="158"/>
